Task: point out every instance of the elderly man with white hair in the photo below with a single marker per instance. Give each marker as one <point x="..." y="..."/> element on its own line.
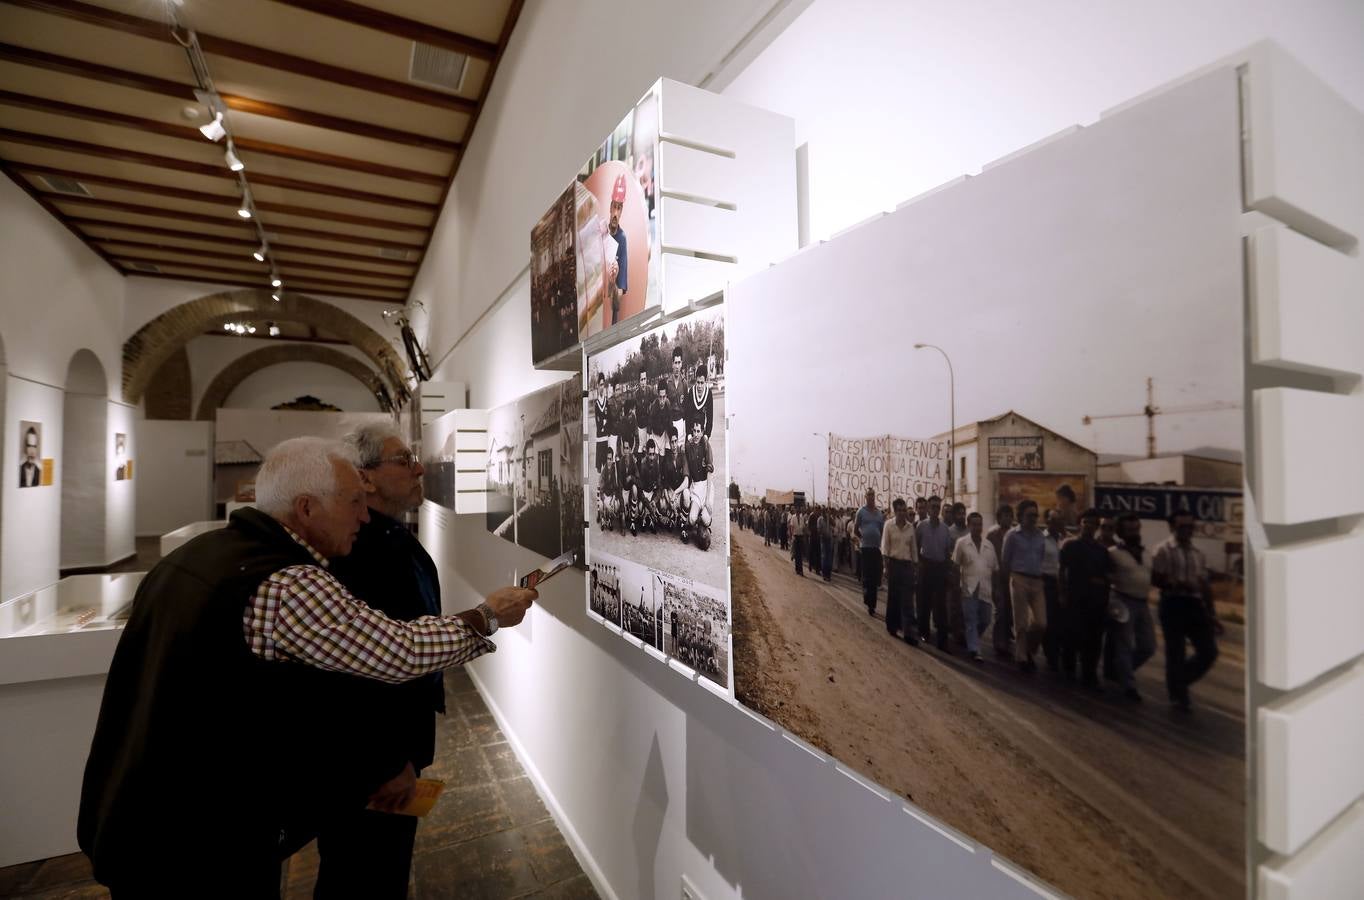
<point x="250" y="696"/>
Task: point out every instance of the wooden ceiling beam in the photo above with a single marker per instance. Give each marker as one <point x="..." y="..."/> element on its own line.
<point x="312" y="338"/>
<point x="256" y="284"/>
<point x="87" y="222"/>
<point x="282" y="265"/>
<point x="264" y="274"/>
<point x="225" y="221"/>
<point x="398" y="26"/>
<point x="325" y="215"/>
<point x="110" y="75"/>
<point x="249" y="53"/>
<point x="196" y="168"/>
<point x="191" y="133"/>
<point x="57" y="214"/>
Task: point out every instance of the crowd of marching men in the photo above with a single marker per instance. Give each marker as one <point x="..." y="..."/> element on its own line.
<point x="1076" y="585"/>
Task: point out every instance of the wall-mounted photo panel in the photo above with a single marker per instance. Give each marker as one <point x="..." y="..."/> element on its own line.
<point x="30" y="454"/>
<point x="604" y="588"/>
<point x="619" y="261"/>
<point x="504" y="447"/>
<point x="438" y="455"/>
<point x="572" y="516"/>
<point x="657" y="487"/>
<point x="554" y="276"/>
<point x="539" y="467"/>
<point x="696" y="628"/>
<point x="1077" y="313"/>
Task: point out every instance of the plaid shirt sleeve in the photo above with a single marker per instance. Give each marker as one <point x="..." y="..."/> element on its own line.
<point x="304" y="614"/>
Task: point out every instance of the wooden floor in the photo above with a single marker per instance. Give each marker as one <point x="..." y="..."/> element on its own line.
<point x="489" y="836"/>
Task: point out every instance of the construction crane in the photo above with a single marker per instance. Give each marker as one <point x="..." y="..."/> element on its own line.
<point x="1151" y="411"/>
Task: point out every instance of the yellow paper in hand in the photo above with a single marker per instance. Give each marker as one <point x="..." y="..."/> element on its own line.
<point x="424" y="797"/>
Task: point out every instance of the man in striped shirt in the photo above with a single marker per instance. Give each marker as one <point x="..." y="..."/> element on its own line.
<point x="251" y="680"/>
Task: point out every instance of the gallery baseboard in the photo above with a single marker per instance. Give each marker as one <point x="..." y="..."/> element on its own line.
<point x="574" y="840"/>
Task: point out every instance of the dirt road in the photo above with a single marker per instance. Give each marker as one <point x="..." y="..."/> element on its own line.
<point x="1097" y="796"/>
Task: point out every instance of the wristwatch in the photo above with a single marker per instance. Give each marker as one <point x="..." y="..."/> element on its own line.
<point x="487" y="612"/>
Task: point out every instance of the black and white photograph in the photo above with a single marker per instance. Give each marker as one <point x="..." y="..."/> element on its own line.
<point x="123" y="469"/>
<point x="504" y="441"/>
<point x="603" y="589"/>
<point x="539" y="465"/>
<point x="695" y="627"/>
<point x="988" y="548"/>
<point x="570" y="474"/>
<point x="30" y="454"/>
<point x="438" y="455"/>
<point x="657" y="449"/>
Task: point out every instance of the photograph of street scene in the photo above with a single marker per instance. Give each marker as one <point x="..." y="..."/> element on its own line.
<point x="987" y="544"/>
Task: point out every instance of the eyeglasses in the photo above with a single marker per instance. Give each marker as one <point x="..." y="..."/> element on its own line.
<point x="406" y="458"/>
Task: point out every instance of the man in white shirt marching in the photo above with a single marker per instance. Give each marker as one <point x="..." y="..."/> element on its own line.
<point x="976" y="560"/>
<point x="900" y="550"/>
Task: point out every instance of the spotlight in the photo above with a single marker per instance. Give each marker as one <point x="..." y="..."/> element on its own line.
<point x="260" y="254"/>
<point x="244" y="212"/>
<point x="233" y="162"/>
<point x="274" y="330"/>
<point x="275" y="282"/>
<point x="274" y="297"/>
<point x="214" y="130"/>
<point x="227" y="326"/>
<point x="250" y="329"/>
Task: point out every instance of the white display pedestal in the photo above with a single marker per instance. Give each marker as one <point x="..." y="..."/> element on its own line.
<point x="172" y="540"/>
<point x="55" y="648"/>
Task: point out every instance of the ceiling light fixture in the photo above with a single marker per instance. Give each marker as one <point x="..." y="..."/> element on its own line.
<point x="230" y="156"/>
<point x="274" y="330"/>
<point x="260" y="253"/>
<point x="244" y="212"/>
<point x="275" y="282"/>
<point x="214" y="130"/>
<point x="274" y="297"/>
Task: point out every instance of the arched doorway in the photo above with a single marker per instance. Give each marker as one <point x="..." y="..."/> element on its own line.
<point x="243" y="366"/>
<point x="84" y="474"/>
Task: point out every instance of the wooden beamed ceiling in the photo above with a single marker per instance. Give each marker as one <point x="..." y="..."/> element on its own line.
<point x="348" y="155"/>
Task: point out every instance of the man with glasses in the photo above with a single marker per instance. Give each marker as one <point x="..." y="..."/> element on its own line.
<point x="369" y="852"/>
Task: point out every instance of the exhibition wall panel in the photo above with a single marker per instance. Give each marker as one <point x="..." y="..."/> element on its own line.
<point x="887" y="124"/>
<point x="32" y="534"/>
<point x="174" y="480"/>
<point x="120" y="503"/>
<point x="87" y="445"/>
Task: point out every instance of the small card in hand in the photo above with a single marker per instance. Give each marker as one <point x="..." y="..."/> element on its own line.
<point x="424" y="797"/>
<point x="545" y="573"/>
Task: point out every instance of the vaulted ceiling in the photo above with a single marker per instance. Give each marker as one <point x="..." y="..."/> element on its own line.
<point x="350" y="119"/>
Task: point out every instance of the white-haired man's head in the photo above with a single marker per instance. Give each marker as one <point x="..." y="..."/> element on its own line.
<point x="390" y="469"/>
<point x="311" y="485"/>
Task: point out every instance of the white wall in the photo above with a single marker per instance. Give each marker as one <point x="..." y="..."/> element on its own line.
<point x="210" y="354"/>
<point x="120" y="500"/>
<point x="83" y="478"/>
<point x="173" y="474"/>
<point x="284" y="382"/>
<point x="895" y="97"/>
<point x="56" y="297"/>
<point x="30" y="554"/>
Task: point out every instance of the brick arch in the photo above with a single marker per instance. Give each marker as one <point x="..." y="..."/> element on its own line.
<point x="155" y="342"/>
<point x="235" y="372"/>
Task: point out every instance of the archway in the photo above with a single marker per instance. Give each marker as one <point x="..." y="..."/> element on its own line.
<point x="153" y="344"/>
<point x="235" y="372"/>
<point x="86" y="445"/>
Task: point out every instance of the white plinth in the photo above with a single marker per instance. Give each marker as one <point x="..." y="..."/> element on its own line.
<point x="172" y="540"/>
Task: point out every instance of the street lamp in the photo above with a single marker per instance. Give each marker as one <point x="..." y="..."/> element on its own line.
<point x="812" y="466"/>
<point x="952" y="406"/>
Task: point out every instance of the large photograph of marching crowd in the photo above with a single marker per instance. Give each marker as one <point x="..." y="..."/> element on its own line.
<point x="1040" y="642"/>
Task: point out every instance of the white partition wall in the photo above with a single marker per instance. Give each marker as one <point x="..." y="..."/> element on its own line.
<point x="1304" y="182"/>
<point x="654" y="780"/>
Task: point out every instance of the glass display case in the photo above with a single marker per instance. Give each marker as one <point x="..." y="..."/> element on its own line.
<point x="76" y="603"/>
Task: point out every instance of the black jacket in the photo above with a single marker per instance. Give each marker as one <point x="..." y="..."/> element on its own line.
<point x="204" y="755"/>
<point x="387" y="568"/>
